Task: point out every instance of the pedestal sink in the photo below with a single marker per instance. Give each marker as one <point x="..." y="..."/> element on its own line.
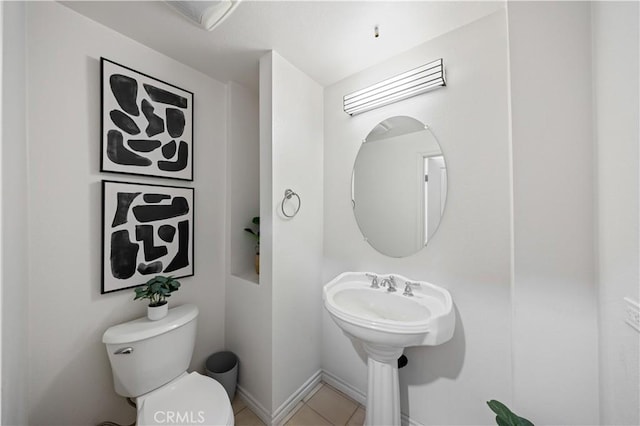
<point x="417" y="313"/>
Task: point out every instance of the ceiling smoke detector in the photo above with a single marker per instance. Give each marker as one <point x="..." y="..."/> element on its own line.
<point x="205" y="14"/>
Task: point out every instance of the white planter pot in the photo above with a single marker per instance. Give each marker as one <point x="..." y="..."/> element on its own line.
<point x="155" y="313"/>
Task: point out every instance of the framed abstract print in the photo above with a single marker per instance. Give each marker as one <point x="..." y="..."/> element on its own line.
<point x="146" y="230"/>
<point x="147" y="124"/>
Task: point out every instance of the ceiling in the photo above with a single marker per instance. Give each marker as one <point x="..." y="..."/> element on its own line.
<point x="328" y="40"/>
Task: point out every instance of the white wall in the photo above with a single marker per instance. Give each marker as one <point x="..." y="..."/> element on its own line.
<point x="248" y="305"/>
<point x="470" y="253"/>
<point x="616" y="90"/>
<point x="555" y="328"/>
<point x="14" y="216"/>
<point x="297" y="157"/>
<point x="243" y="164"/>
<point x="69" y="375"/>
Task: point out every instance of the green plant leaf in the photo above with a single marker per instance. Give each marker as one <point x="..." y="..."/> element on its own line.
<point x="251" y="231"/>
<point x="524" y="422"/>
<point x="501" y="422"/>
<point x="505" y="417"/>
<point x="254" y="233"/>
<point x="500" y="409"/>
<point x="157" y="289"/>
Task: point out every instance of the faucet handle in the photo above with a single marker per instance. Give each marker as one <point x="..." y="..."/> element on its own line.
<point x="374" y="280"/>
<point x="407" y="288"/>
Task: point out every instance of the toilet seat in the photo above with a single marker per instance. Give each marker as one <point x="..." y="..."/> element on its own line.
<point x="191" y="399"/>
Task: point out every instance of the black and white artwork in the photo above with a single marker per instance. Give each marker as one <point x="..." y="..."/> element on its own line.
<point x="146" y="230"/>
<point x="147" y="125"/>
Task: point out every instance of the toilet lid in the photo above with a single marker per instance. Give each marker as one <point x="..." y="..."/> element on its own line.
<point x="192" y="399"/>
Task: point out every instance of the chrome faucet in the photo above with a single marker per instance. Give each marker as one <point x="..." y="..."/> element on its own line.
<point x="390" y="283"/>
<point x="374" y="280"/>
<point x="408" y="291"/>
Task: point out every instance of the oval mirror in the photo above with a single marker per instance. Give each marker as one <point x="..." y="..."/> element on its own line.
<point x="399" y="186"/>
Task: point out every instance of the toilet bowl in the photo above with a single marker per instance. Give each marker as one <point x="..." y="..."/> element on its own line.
<point x="149" y="361"/>
<point x="191" y="399"/>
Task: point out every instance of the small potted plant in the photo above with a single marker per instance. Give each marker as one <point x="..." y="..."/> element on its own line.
<point x="256" y="236"/>
<point x="157" y="289"/>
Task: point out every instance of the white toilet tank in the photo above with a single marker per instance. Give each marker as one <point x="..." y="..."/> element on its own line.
<point x="146" y="354"/>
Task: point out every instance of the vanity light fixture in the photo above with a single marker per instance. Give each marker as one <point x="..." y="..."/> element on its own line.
<point x="205" y="14"/>
<point x="402" y="86"/>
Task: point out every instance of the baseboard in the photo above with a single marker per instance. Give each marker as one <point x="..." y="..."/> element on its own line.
<point x="407" y="421"/>
<point x="357" y="395"/>
<point x="281" y="412"/>
<point x="344" y="387"/>
<point x="254" y="405"/>
<point x="280" y="415"/>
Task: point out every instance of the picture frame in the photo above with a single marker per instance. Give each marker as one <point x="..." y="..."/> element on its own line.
<point x="146" y="124"/>
<point x="146" y="230"/>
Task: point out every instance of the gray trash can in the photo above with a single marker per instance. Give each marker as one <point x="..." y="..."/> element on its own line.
<point x="223" y="366"/>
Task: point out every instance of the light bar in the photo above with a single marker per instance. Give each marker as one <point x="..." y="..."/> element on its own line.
<point x="411" y="83"/>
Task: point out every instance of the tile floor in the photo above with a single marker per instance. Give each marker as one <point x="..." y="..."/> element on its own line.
<point x="324" y="406"/>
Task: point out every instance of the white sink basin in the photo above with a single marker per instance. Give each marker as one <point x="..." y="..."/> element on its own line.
<point x="377" y="316"/>
<point x="386" y="323"/>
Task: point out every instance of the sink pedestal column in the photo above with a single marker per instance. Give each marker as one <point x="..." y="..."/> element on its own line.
<point x="383" y="389"/>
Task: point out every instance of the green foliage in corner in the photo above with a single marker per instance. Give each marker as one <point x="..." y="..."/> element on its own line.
<point x="505" y="417"/>
<point x="255" y="233"/>
<point x="157" y="289"/>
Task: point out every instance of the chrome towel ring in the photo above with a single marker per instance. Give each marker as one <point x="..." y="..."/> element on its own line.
<point x="288" y="194"/>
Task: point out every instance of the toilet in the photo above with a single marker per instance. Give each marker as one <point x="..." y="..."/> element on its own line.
<point x="149" y="361"/>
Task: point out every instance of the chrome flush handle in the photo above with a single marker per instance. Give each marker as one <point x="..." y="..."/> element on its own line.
<point x="124" y="351"/>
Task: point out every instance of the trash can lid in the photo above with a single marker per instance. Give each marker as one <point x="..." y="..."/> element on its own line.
<point x="221" y="362"/>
